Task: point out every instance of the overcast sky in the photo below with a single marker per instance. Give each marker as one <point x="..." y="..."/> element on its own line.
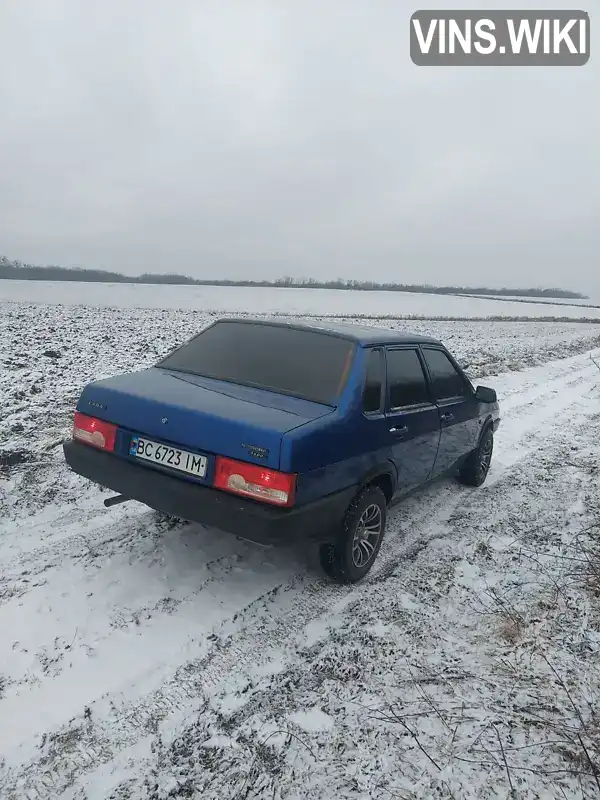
<point x="260" y="138"/>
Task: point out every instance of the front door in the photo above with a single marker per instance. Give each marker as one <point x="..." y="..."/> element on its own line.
<point x="457" y="406"/>
<point x="413" y="423"/>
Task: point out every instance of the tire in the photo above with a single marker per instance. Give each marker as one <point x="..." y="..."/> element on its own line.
<point x="353" y="553"/>
<point x="476" y="467"/>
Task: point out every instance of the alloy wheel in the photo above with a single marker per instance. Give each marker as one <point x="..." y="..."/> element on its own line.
<point x="366" y="535"/>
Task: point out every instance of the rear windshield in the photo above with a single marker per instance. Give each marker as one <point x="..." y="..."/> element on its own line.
<point x="302" y="363"/>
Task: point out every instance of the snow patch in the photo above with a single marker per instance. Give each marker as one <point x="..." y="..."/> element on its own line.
<point x="312" y="720"/>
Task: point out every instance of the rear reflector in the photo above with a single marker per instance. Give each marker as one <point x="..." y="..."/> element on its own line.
<point x="94" y="431"/>
<point x="250" y="480"/>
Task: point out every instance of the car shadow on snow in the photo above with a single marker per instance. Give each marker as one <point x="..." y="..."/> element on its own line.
<point x="193" y="553"/>
<point x="163" y="564"/>
<point x="194" y="546"/>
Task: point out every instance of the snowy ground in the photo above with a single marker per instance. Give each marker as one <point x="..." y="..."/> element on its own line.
<point x="145" y="658"/>
<point x="268" y="300"/>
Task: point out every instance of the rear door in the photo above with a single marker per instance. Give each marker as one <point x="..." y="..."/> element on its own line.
<point x="455" y="400"/>
<point x="375" y="423"/>
<point x="413" y="423"/>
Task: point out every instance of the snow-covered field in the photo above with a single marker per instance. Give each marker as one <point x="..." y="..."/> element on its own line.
<point x="233" y="299"/>
<point x="142" y="657"/>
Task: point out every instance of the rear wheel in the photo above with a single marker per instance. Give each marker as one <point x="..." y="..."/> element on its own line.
<point x="476" y="467"/>
<point x="353" y="553"/>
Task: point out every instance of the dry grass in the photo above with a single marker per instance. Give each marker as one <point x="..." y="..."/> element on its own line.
<point x="511" y="630"/>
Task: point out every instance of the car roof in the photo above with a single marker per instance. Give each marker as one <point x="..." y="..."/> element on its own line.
<point x="364" y="335"/>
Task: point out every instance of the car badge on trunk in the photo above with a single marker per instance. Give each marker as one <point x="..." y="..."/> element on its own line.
<point x="255" y="450"/>
<point x="164" y="420"/>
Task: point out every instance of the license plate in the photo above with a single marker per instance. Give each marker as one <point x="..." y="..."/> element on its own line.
<point x="167" y="456"/>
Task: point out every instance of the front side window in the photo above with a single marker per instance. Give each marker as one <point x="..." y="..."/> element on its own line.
<point x="406" y="379"/>
<point x="373" y="382"/>
<point x="446" y="381"/>
<point x="304" y="363"/>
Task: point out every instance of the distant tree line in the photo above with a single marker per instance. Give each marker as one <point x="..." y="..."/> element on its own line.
<point x="16" y="270"/>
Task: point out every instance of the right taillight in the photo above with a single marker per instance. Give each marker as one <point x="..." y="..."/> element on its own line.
<point x="94" y="431"/>
<point x="250" y="480"/>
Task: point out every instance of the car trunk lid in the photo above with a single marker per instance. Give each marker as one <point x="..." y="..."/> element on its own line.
<point x="200" y="414"/>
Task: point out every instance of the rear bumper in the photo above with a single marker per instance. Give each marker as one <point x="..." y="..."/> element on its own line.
<point x="316" y="521"/>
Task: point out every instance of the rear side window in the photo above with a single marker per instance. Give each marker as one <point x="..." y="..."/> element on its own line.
<point x="373" y="382"/>
<point x="446" y="381"/>
<point x="406" y="379"/>
<point x="303" y="363"/>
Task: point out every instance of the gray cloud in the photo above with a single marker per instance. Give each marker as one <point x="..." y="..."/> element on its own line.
<point x="265" y="138"/>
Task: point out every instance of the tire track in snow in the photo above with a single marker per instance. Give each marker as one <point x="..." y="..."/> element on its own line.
<point x="88" y="742"/>
<point x="115" y="535"/>
<point x="101" y="741"/>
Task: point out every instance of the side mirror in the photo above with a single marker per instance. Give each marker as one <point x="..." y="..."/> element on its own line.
<point x="485" y="395"/>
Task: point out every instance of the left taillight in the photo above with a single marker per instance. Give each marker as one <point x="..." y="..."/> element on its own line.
<point x="94" y="431"/>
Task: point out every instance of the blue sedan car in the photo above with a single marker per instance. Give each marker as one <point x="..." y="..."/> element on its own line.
<point x="282" y="432"/>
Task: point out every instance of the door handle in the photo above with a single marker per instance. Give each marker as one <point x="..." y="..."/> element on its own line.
<point x="399" y="431"/>
<point x="448" y="417"/>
